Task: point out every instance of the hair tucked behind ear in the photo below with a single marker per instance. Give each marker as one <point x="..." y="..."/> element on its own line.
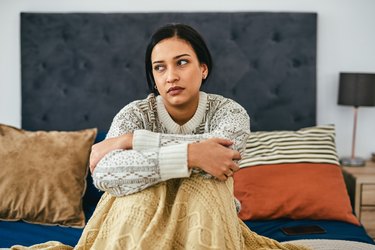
<point x="184" y="32"/>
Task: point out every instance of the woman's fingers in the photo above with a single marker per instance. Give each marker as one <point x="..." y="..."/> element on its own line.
<point x="223" y="142"/>
<point x="235" y="167"/>
<point x="100" y="149"/>
<point x="219" y="159"/>
<point x="229" y="173"/>
<point x="236" y="155"/>
<point x="94" y="158"/>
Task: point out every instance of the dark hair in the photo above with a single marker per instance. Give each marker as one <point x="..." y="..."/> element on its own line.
<point x="183" y="32"/>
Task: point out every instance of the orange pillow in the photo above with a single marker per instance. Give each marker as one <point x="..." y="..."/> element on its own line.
<point x="294" y="190"/>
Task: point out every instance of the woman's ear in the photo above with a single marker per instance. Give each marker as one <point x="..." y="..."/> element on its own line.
<point x="204" y="70"/>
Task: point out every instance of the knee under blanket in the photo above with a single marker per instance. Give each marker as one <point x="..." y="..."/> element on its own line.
<point x="191" y="213"/>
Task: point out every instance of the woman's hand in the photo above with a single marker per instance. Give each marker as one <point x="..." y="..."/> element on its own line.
<point x="99" y="150"/>
<point x="214" y="157"/>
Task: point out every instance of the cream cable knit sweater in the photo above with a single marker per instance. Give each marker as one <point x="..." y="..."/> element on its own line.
<point x="160" y="145"/>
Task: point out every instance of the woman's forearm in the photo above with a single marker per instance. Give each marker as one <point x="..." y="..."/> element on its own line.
<point x="123" y="172"/>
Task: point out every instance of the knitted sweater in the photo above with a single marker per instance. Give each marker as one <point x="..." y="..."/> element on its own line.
<point x="160" y="145"/>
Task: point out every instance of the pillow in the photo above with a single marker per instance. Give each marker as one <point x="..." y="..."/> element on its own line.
<point x="42" y="175"/>
<point x="312" y="144"/>
<point x="292" y="174"/>
<point x="295" y="191"/>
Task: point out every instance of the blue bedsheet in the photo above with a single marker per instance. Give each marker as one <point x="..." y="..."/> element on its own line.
<point x="29" y="234"/>
<point x="26" y="234"/>
<point x="334" y="230"/>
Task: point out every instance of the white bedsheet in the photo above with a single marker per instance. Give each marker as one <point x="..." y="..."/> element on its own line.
<point x="324" y="244"/>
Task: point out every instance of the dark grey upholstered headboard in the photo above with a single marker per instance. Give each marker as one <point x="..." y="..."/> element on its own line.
<point x="79" y="69"/>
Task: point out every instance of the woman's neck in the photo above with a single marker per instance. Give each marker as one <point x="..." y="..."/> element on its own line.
<point x="182" y="120"/>
<point x="182" y="114"/>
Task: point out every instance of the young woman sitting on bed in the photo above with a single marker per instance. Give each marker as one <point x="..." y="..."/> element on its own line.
<point x="166" y="165"/>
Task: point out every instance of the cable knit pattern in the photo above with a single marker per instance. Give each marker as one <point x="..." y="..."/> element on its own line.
<point x="187" y="213"/>
<point x="160" y="145"/>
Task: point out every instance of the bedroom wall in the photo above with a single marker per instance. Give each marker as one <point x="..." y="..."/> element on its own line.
<point x="345" y="43"/>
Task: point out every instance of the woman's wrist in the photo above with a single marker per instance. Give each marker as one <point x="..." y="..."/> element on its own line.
<point x="192" y="159"/>
<point x="126" y="141"/>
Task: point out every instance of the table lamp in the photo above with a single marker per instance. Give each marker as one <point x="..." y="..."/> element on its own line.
<point x="356" y="89"/>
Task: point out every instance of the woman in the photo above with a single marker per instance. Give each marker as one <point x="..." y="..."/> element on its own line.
<point x="170" y="158"/>
<point x="175" y="133"/>
<point x="166" y="165"/>
<point x="166" y="126"/>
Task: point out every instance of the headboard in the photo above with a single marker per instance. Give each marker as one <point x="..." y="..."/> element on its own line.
<point x="80" y="69"/>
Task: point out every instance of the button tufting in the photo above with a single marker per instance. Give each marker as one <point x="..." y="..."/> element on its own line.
<point x="297" y="118"/>
<point x="36" y="85"/>
<point x="255" y="64"/>
<point x="296" y="63"/>
<point x="45" y="118"/>
<point x="106" y="38"/>
<point x="64" y="91"/>
<point x="65" y="36"/>
<point x="276" y="37"/>
<point x="42" y="66"/>
<point x="276" y="90"/>
<point x="234" y="91"/>
<point x="107" y="90"/>
<point x="82" y="65"/>
<point x="233" y="36"/>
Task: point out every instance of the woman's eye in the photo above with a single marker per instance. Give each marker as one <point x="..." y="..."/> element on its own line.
<point x="182" y="62"/>
<point x="159" y="68"/>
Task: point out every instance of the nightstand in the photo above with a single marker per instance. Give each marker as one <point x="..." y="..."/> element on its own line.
<point x="361" y="188"/>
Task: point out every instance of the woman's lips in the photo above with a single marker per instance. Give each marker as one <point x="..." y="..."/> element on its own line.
<point x="175" y="90"/>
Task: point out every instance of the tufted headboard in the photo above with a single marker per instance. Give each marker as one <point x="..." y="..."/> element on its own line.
<point x="80" y="69"/>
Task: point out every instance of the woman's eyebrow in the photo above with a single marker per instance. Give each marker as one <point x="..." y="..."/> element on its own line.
<point x="176" y="57"/>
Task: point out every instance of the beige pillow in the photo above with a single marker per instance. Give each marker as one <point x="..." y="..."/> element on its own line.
<point x="43" y="175"/>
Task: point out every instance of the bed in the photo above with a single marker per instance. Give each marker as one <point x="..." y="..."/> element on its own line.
<point x="79" y="69"/>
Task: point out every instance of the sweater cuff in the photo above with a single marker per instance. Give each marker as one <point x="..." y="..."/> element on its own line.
<point x="144" y="139"/>
<point x="173" y="162"/>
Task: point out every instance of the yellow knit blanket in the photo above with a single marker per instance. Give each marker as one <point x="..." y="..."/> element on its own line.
<point x="191" y="213"/>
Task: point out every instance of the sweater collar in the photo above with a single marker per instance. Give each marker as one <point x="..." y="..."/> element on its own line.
<point x="187" y="128"/>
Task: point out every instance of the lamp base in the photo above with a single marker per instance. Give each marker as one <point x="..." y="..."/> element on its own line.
<point x="352" y="162"/>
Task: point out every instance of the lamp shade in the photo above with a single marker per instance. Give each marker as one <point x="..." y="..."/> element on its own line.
<point x="357" y="89"/>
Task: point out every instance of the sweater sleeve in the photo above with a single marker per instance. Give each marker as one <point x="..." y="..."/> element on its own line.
<point x="230" y="121"/>
<point x="123" y="172"/>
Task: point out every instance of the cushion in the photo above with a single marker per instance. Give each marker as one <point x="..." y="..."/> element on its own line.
<point x="43" y="175"/>
<point x="312" y="144"/>
<point x="295" y="191"/>
<point x="292" y="174"/>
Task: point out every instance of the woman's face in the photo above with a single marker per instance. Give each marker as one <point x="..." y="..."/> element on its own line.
<point x="177" y="73"/>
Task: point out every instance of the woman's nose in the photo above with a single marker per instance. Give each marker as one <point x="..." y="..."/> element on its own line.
<point x="172" y="76"/>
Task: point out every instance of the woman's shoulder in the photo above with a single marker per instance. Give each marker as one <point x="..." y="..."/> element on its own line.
<point x="220" y="101"/>
<point x="141" y="106"/>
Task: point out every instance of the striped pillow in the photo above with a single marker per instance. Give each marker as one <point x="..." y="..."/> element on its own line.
<point x="312" y="144"/>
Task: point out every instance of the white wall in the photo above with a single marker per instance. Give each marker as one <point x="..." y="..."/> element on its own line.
<point x="346" y="42"/>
